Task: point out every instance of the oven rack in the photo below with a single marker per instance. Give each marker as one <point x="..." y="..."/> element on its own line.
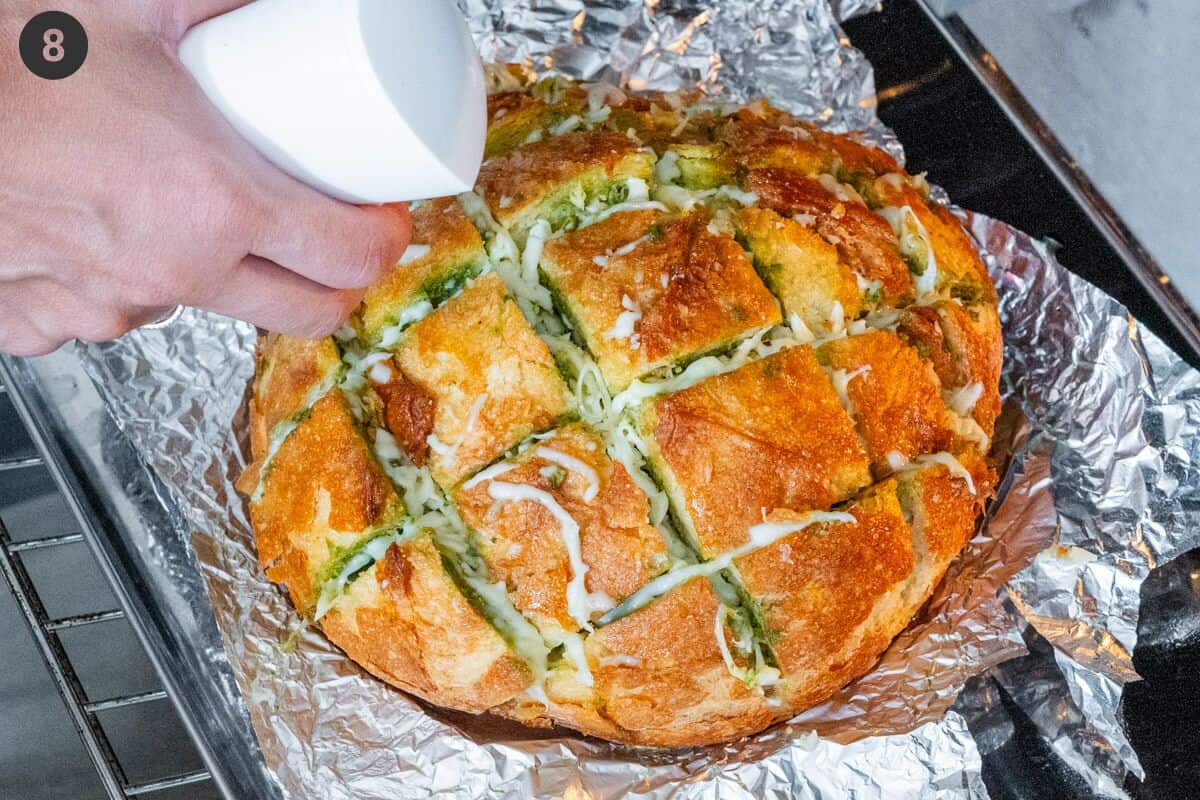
<point x="85" y="712"/>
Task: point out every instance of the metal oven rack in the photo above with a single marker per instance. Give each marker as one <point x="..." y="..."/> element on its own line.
<point x="86" y="713"/>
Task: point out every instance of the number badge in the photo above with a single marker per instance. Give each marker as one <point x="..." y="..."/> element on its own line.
<point x="53" y="45"/>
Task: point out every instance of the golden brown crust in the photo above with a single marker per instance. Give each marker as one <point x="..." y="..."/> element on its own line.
<point x="820" y="585"/>
<point x="691" y="290"/>
<point x="972" y="336"/>
<point x="729" y="447"/>
<point x="802" y="269"/>
<point x="516" y="115"/>
<point x="662" y="677"/>
<point x="288" y="371"/>
<point x="411" y="626"/>
<point x="959" y="265"/>
<point x="492" y="379"/>
<point x="323" y="487"/>
<point x="759" y="144"/>
<point x="523" y="543"/>
<point x="864" y="240"/>
<point x="963" y="345"/>
<point x="896" y="397"/>
<point x="767" y="438"/>
<point x="516" y="185"/>
<point x="445" y="245"/>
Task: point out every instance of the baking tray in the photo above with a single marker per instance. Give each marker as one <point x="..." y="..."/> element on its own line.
<point x="121" y="510"/>
<point x="125" y="515"/>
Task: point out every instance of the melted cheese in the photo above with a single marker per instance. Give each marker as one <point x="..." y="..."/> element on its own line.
<point x="371" y="552"/>
<point x="494" y="471"/>
<point x="627" y="320"/>
<point x="414" y="252"/>
<point x="588" y="389"/>
<point x="841" y="384"/>
<point x="761" y="536"/>
<point x="573" y="649"/>
<point x="573" y="464"/>
<point x="566" y="126"/>
<point x="390" y="335"/>
<point x="533" y="250"/>
<point x="948" y="461"/>
<point x="449" y="452"/>
<point x="683" y="199"/>
<point x="764" y="342"/>
<point x="963" y="399"/>
<point x="623" y="250"/>
<point x="914" y="246"/>
<point x="577" y="596"/>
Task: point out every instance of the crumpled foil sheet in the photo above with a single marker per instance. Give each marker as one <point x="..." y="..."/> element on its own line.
<point x="1099" y="439"/>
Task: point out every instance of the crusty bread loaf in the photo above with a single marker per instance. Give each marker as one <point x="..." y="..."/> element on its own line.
<point x="663" y="433"/>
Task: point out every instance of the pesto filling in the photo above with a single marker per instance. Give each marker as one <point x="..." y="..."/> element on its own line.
<point x="457" y="544"/>
<point x="349" y="562"/>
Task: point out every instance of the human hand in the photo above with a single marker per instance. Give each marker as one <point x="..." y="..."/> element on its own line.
<point x="124" y="193"/>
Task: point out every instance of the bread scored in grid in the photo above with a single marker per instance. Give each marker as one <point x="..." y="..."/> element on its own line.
<point x="663" y="433"/>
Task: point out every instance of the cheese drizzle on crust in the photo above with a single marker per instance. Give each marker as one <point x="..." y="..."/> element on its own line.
<point x="677" y="157"/>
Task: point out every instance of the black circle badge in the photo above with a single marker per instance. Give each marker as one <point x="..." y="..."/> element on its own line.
<point x="53" y="45"/>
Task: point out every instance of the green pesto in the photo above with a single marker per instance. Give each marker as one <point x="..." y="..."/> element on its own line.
<point x="863" y="183"/>
<point x="772" y="273"/>
<point x="437" y="289"/>
<point x="505" y="138"/>
<point x="549" y="89"/>
<point x="720" y="349"/>
<point x="565" y="370"/>
<point x="458" y="577"/>
<point x="616" y="193"/>
<point x="703" y="166"/>
<point x="916" y="265"/>
<point x="967" y="292"/>
<point x="567" y="417"/>
<point x="339" y="557"/>
<point x="563" y="215"/>
<point x="677" y="525"/>
<point x="747" y="603"/>
<point x="472" y="567"/>
<point x="562" y="306"/>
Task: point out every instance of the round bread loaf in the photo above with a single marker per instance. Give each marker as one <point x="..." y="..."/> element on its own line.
<point x="662" y="433"/>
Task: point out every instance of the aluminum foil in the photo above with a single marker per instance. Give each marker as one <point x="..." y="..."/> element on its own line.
<point x="1098" y="438"/>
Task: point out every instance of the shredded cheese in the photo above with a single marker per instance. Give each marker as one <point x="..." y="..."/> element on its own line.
<point x="625" y="326"/>
<point x="414" y="252"/>
<point x="914" y="246"/>
<point x="761" y="536"/>
<point x="577" y="595"/>
<point x="573" y="464"/>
